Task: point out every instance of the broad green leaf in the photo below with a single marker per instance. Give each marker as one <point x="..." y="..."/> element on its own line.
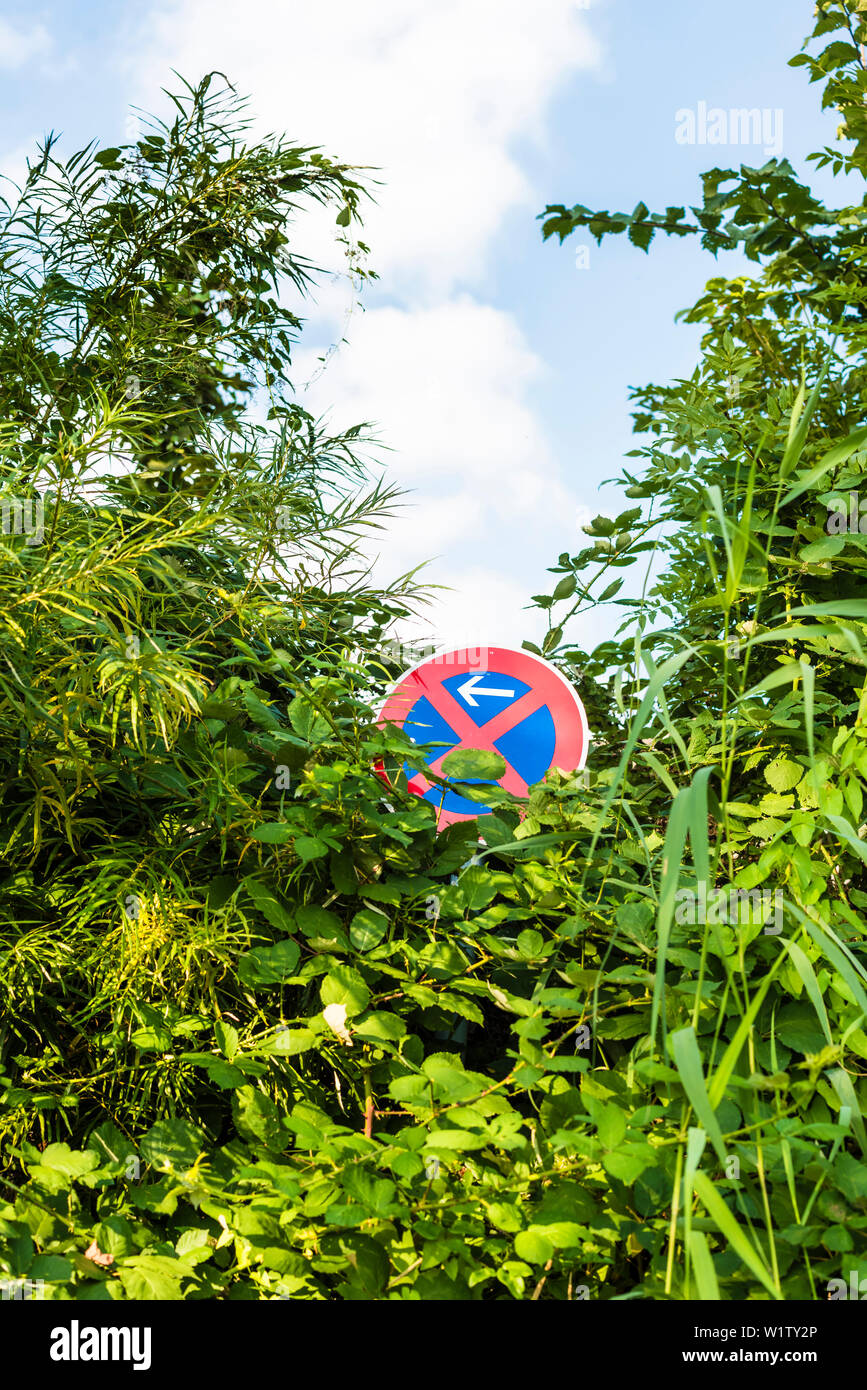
<point x="173" y="1144"/>
<point x="267" y="966"/>
<point x="343" y="985"/>
<point x="307" y="722"/>
<point x="532" y="1245"/>
<point x="367" y="929"/>
<point x="470" y="763"/>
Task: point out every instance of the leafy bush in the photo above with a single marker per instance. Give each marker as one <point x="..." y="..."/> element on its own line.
<point x="265" y="1033"/>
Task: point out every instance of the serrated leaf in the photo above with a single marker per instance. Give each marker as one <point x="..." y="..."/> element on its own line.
<point x="783" y="774"/>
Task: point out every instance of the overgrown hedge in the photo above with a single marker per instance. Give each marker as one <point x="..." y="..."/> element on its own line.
<point x="265" y="1033"/>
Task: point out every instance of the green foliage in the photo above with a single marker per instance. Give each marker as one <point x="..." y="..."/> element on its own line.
<point x="266" y="1034"/>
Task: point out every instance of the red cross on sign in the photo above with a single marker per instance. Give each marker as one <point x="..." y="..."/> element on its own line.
<point x="512" y="703"/>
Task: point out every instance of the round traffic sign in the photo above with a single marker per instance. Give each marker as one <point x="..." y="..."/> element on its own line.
<point x="510" y="702"/>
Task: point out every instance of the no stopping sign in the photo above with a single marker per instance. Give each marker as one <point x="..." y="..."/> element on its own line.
<point x="513" y="703"/>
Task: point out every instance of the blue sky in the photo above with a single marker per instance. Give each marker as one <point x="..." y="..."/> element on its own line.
<point x="496" y="369"/>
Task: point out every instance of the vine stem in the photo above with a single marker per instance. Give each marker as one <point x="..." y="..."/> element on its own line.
<point x="368" y="1106"/>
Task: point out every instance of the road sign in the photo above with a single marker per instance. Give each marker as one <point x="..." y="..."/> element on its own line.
<point x="511" y="702"/>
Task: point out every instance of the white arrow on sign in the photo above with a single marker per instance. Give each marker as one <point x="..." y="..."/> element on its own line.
<point x="469" y="692"/>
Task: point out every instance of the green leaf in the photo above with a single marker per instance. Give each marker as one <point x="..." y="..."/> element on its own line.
<point x="380" y="1027"/>
<point x="783" y="774"/>
<point x="152" y="1277"/>
<point x="611" y="1125"/>
<point x="565" y="589"/>
<point x="272" y="833"/>
<point x="54" y="1269"/>
<point x="343" y="985"/>
<point x="288" y="1042"/>
<point x="265" y="898"/>
<point x="173" y="1145"/>
<point x="257" y="1118"/>
<point x="734" y="1234"/>
<point x="72" y="1163"/>
<point x="367" y="929"/>
<point x="627" y="1165"/>
<point x="227" y="1039"/>
<point x="850" y="1176"/>
<point x="533" y="1246"/>
<point x="450" y="1139"/>
<point x="115" y="1236"/>
<point x="309" y="847"/>
<point x="563" y="1235"/>
<point x="269" y="965"/>
<point x="825" y="549"/>
<point x="317" y="921"/>
<point x="477" y="886"/>
<point x="307" y="722"/>
<point x="530" y="943"/>
<point x="470" y="763"/>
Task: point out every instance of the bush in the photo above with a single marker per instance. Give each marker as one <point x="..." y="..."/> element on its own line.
<point x="268" y="1035"/>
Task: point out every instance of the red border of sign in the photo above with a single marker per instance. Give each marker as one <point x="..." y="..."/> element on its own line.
<point x="553" y="690"/>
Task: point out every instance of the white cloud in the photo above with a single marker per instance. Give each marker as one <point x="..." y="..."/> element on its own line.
<point x="448" y="386"/>
<point x="436" y="96"/>
<point x="485" y="608"/>
<point x="19" y="46"/>
<point x="13" y="166"/>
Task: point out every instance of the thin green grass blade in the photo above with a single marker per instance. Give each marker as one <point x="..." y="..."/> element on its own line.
<point x="842" y="1083"/>
<point x="672" y="854"/>
<point x="839" y="956"/>
<point x="734" y="1234"/>
<point x="807" y="976"/>
<point x="728" y="1061"/>
<point x="703" y="1267"/>
<point x="695" y="1144"/>
<point x="665" y="672"/>
<point x="839" y="454"/>
<point x="687" y="1059"/>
